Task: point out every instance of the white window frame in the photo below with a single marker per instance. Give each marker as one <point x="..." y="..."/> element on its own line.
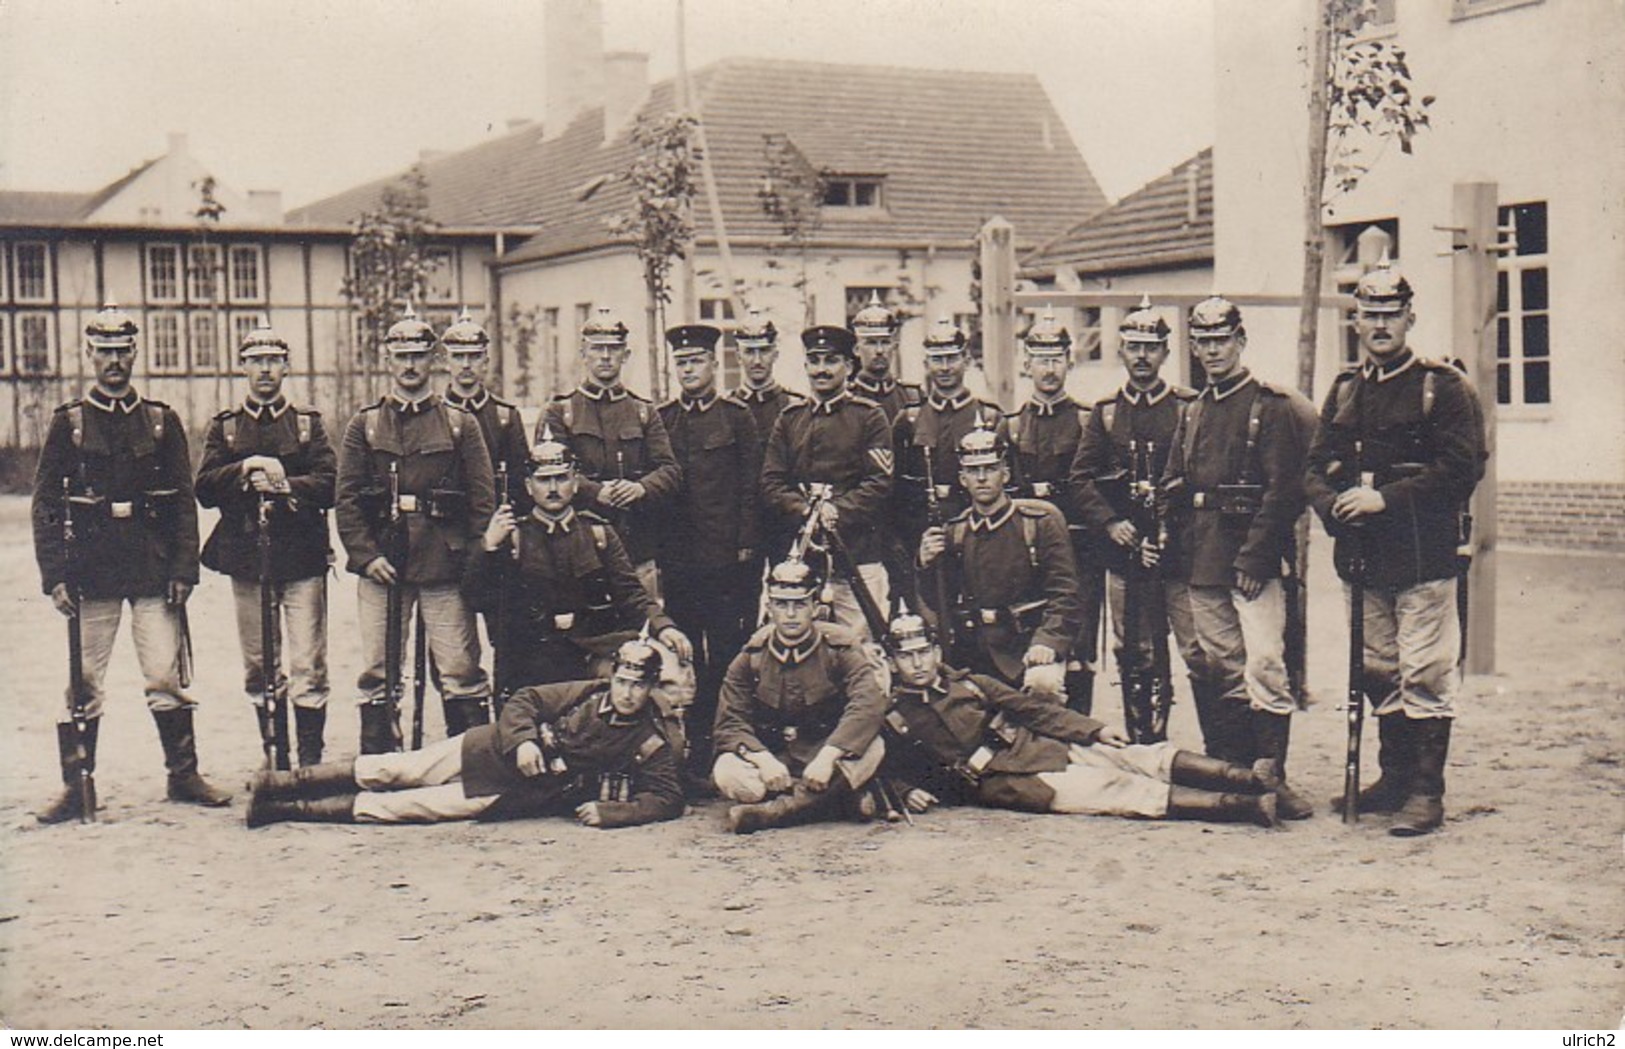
<point x="177" y="276"/>
<point x="47" y="323"/>
<point x="197" y="323"/>
<point x="440" y="262"/>
<point x="719" y="313"/>
<point x="5" y="341"/>
<point x="5" y="271"/>
<point x="1347" y="268"/>
<point x="157" y="361"/>
<point x="853" y="186"/>
<point x="1513" y="266"/>
<point x="233" y="253"/>
<point x="45" y="263"/>
<point x="213" y="271"/>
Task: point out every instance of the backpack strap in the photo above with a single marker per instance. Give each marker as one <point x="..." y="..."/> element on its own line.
<point x="302" y="422"/>
<point x="1029" y="536"/>
<point x="155" y="420"/>
<point x="600" y="535"/>
<point x="1429" y="392"/>
<point x="76" y="423"/>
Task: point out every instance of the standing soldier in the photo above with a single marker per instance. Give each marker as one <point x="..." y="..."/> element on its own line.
<point x="757" y="342"/>
<point x="1010" y="575"/>
<point x="1122" y="455"/>
<point x="267" y="449"/>
<point x="838" y="440"/>
<point x="625" y="458"/>
<point x="1046" y="433"/>
<point x="123" y="461"/>
<point x="468" y="358"/>
<point x="876" y="328"/>
<point x="1420" y="455"/>
<point x="441" y="471"/>
<point x="1234" y="483"/>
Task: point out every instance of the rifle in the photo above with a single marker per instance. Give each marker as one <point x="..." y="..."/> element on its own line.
<point x="1354" y="706"/>
<point x="499" y="643"/>
<point x="420" y="676"/>
<point x="394" y="629"/>
<point x="939" y="571"/>
<point x="1296" y="638"/>
<point x="76" y="665"/>
<point x="274" y="727"/>
<point x="1145" y="698"/>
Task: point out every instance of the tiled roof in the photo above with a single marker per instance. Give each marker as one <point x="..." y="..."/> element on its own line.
<point x="1167" y="222"/>
<point x="955" y="149"/>
<point x="38" y="208"/>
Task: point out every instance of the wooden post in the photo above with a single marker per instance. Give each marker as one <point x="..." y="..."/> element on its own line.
<point x="997" y="243"/>
<point x="1472" y="325"/>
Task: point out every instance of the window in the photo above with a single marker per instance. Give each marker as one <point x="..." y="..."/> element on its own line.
<point x="441" y="269"/>
<point x="1460" y="9"/>
<point x="243" y="324"/>
<point x="35" y="344"/>
<point x="1523" y="322"/>
<point x="858" y="297"/>
<point x="203" y="269"/>
<point x="205" y="343"/>
<point x="163" y="273"/>
<point x="1356" y="248"/>
<point x="245" y="274"/>
<point x="5" y="285"/>
<point x="845" y="191"/>
<point x="33" y="272"/>
<point x="720" y="313"/>
<point x="5" y="330"/>
<point x="164" y="343"/>
<point x="583" y="315"/>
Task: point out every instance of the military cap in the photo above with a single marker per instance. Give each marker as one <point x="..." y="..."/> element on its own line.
<point x="792" y="578"/>
<point x="981" y="446"/>
<point x="549" y="456"/>
<point x="409" y="334"/>
<point x="637" y="660"/>
<point x="756" y="331"/>
<point x="604" y="330"/>
<point x="1047" y="337"/>
<point x="686" y="339"/>
<point x="1145" y="325"/>
<point x="1382" y="289"/>
<point x="944" y="339"/>
<point x="465" y="334"/>
<point x="876" y="318"/>
<point x="111" y="328"/>
<point x="263" y="342"/>
<point x="829" y="338"/>
<point x="1215" y="318"/>
<point x="909" y="633"/>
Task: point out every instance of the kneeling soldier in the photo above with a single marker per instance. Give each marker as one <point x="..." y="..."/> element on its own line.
<point x="594" y="748"/>
<point x="961" y="737"/>
<point x="799" y="714"/>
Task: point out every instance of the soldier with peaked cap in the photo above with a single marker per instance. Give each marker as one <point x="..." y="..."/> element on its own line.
<point x="468" y="359"/>
<point x="270" y="449"/>
<point x="1126" y="442"/>
<point x="122" y="460"/>
<point x="756" y="341"/>
<point x="1010" y="573"/>
<point x="572" y="593"/>
<point x="446" y="496"/>
<point x="709" y="552"/>
<point x="1234" y="491"/>
<point x="624" y="456"/>
<point x="876" y="328"/>
<point x="1420" y="434"/>
<point x="842" y="441"/>
<point x="798" y="721"/>
<point x="593" y="749"/>
<point x="967" y="738"/>
<point x="1044" y="434"/>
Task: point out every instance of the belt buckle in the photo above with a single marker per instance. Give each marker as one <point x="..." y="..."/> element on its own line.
<point x="1043" y="489"/>
<point x="564" y="621"/>
<point x="789" y="734"/>
<point x="120" y="511"/>
<point x="979" y="760"/>
<point x="941" y="491"/>
<point x="409" y="503"/>
<point x="989" y="616"/>
<point x="1199" y="500"/>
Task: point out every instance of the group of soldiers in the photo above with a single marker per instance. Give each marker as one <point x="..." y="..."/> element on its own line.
<point x="882" y="596"/>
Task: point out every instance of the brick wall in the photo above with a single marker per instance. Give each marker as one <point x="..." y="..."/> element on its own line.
<point x="1565" y="515"/>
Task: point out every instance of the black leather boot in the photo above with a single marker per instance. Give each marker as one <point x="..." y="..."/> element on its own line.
<point x="309" y="781"/>
<point x="310" y="726"/>
<point x="1271" y="733"/>
<point x="1206" y="698"/>
<point x="380" y="727"/>
<point x="263" y="810"/>
<point x="1394" y="758"/>
<point x="1080" y="690"/>
<point x="1186" y="803"/>
<point x="69" y="805"/>
<point x="1190" y="769"/>
<point x="1423" y="811"/>
<point x="463" y="714"/>
<point x="787" y="810"/>
<point x="180" y="758"/>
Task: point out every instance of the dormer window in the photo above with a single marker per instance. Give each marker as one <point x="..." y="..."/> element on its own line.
<point x="854" y="191"/>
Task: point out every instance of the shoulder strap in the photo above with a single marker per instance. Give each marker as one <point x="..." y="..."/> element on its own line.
<point x="454" y="419"/>
<point x="155" y="419"/>
<point x="1108" y="417"/>
<point x="372" y="426"/>
<point x="1429" y="392"/>
<point x="1029" y="536"/>
<point x="651" y="746"/>
<point x="956" y="536"/>
<point x="600" y="535"/>
<point x="1187" y="420"/>
<point x="303" y="422"/>
<point x="76" y="423"/>
<point x="228" y="431"/>
<point x="1255" y="417"/>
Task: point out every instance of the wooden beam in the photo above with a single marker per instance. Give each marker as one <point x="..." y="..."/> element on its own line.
<point x="1472" y="341"/>
<point x="998" y="247"/>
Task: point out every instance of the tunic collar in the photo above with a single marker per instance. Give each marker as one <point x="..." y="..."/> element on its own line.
<point x="1138" y="397"/>
<point x="259" y="411"/>
<point x="1220" y="390"/>
<point x="1044" y="407"/>
<point x="613" y="717"/>
<point x="790" y="655"/>
<point x="126" y="404"/>
<point x="472" y="404"/>
<point x="697" y="404"/>
<point x="954" y="403"/>
<point x="417" y="407"/>
<point x="1390" y="368"/>
<point x="994" y="521"/>
<point x="829" y="405"/>
<point x="594" y="392"/>
<point x="873" y="390"/>
<point x="555" y="525"/>
<point x="758" y="395"/>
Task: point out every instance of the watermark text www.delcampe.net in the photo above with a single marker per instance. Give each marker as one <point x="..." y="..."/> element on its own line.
<point x="90" y="1041"/>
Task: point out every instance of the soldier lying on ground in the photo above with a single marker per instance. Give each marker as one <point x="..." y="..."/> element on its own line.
<point x="966" y="738"/>
<point x="594" y="748"/>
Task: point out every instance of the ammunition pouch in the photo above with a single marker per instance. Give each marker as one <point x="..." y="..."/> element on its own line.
<point x="614" y="786"/>
<point x="1022" y="618"/>
<point x="1398" y="472"/>
<point x="1237" y="500"/>
<point x="447" y="504"/>
<point x="777" y="733"/>
<point x="159" y="506"/>
<point x="374" y="503"/>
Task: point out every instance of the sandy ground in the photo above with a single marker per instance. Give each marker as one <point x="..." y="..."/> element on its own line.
<point x="167" y="916"/>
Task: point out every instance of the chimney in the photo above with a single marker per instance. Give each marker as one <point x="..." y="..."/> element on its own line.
<point x="626" y="86"/>
<point x="177" y="143"/>
<point x="572" y="60"/>
<point x="266" y="203"/>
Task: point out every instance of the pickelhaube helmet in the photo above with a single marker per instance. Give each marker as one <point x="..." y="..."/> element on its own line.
<point x="549" y="456"/>
<point x="981" y="446"/>
<point x="876" y="318"/>
<point x="604" y="330"/>
<point x="944" y="339"/>
<point x="1047" y="337"/>
<point x="909" y="633"/>
<point x="686" y="339"/>
<point x="263" y="342"/>
<point x="830" y="339"/>
<point x="756" y="331"/>
<point x="638" y="660"/>
<point x="791" y="579"/>
<point x="1215" y="318"/>
<point x="111" y="328"/>
<point x="465" y="334"/>
<point x="1145" y="324"/>
<point x="409" y="334"/>
<point x="1382" y="289"/>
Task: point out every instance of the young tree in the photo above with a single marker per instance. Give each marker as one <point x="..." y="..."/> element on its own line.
<point x="389" y="268"/>
<point x="792" y="195"/>
<point x="208" y="260"/>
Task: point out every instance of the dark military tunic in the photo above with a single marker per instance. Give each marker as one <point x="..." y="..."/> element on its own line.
<point x="765" y="405"/>
<point x="296" y="437"/>
<point x="939" y="425"/>
<point x="1424" y="446"/>
<point x="572" y="597"/>
<point x="895" y="398"/>
<point x="793" y="702"/>
<point x="1016" y="586"/>
<point x="932" y="734"/>
<point x="617" y="435"/>
<point x="713" y="516"/>
<point x="844" y="442"/>
<point x="1218" y="445"/>
<point x="504" y="433"/>
<point x="630" y="756"/>
<point x="440" y="453"/>
<point x="132" y="454"/>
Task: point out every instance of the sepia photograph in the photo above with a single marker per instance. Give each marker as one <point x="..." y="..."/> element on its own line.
<point x="907" y="515"/>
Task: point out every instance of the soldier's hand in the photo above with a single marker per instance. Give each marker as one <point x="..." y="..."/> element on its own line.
<point x="829" y="515"/>
<point x="501" y="527"/>
<point x="1250" y="587"/>
<point x="587" y="813"/>
<point x="818" y="771"/>
<point x="775" y="777"/>
<point x="1112" y="737"/>
<point x="919" y="800"/>
<point x="932" y="543"/>
<point x="271" y="471"/>
<point x="1122" y="532"/>
<point x="1357" y="503"/>
<point x="1150" y="553"/>
<point x="380" y="571"/>
<point x="63" y="600"/>
<point x="634" y="491"/>
<point x="178" y="592"/>
<point x="1039" y="656"/>
<point x="528" y="758"/>
<point x="678" y="642"/>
